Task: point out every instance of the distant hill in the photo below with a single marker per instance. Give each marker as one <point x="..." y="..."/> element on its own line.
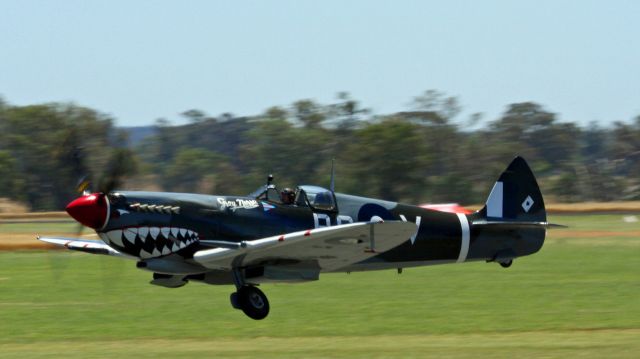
<point x="138" y="134"/>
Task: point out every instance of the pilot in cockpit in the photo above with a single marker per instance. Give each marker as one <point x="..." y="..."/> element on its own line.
<point x="287" y="196"/>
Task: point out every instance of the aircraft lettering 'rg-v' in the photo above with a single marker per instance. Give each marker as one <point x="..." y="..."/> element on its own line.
<point x="257" y="239"/>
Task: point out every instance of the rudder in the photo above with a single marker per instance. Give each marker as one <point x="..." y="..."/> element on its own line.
<point x="515" y="196"/>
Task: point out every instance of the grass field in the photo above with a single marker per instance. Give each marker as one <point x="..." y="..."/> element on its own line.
<point x="578" y="297"/>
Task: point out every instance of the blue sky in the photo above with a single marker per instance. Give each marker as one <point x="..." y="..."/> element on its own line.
<point x="142" y="60"/>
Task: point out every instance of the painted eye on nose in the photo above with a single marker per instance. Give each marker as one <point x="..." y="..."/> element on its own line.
<point x="91" y="210"/>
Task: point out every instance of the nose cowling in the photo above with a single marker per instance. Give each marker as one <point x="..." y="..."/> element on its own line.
<point x="91" y="210"/>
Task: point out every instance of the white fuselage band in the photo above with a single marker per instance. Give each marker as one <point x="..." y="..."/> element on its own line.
<point x="466" y="235"/>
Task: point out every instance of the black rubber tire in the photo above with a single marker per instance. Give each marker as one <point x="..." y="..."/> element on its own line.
<point x="253" y="302"/>
<point x="233" y="298"/>
<point x="506" y="264"/>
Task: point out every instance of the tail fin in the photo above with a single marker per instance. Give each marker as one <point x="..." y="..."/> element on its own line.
<point x="515" y="197"/>
<point x="513" y="222"/>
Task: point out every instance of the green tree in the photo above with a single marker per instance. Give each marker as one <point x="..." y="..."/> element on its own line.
<point x="294" y="154"/>
<point x="441" y="106"/>
<point x="386" y="160"/>
<point x="347" y="114"/>
<point x="195" y="170"/>
<point x="11" y="185"/>
<point x="308" y="113"/>
<point x="40" y="139"/>
<point x="527" y="129"/>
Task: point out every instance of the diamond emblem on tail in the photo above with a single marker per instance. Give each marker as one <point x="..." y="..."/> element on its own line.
<point x="526" y="205"/>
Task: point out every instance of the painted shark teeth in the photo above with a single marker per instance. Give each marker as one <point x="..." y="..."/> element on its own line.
<point x="150" y="242"/>
<point x="154" y="231"/>
<point x="166" y="250"/>
<point x="130" y="235"/>
<point x="115" y="237"/>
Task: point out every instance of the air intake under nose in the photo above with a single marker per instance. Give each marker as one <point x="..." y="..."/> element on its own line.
<point x="91" y="210"/>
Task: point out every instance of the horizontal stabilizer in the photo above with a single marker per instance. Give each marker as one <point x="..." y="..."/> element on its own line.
<point x="517" y="224"/>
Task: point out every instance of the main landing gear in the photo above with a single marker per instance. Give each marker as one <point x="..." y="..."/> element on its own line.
<point x="506" y="264"/>
<point x="248" y="298"/>
<point x="251" y="301"/>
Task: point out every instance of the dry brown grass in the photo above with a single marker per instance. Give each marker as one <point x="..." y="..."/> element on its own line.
<point x="594" y="207"/>
<point x="18" y="241"/>
<point x="8" y="206"/>
<point x="15" y="245"/>
<point x="26" y="216"/>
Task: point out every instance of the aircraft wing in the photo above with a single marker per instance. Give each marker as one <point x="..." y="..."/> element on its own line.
<point x="331" y="247"/>
<point x="84" y="245"/>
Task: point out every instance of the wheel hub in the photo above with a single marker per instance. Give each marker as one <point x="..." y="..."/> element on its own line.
<point x="256" y="300"/>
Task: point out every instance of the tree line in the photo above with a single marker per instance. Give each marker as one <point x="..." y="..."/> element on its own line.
<point x="424" y="154"/>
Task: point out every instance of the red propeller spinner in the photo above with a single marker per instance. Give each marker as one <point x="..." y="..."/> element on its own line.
<point x="91" y="210"/>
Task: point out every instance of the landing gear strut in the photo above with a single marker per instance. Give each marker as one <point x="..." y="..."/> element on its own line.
<point x="248" y="298"/>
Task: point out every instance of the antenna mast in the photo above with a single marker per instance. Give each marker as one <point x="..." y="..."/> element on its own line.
<point x="333" y="176"/>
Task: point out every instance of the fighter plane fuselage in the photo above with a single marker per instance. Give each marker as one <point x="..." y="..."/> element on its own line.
<point x="440" y="237"/>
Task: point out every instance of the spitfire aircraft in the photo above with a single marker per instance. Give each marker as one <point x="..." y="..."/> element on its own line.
<point x="295" y="235"/>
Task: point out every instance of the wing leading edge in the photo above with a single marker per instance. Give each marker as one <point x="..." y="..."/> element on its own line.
<point x="84" y="245"/>
<point x="331" y="247"/>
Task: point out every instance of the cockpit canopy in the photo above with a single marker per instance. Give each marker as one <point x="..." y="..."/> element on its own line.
<point x="317" y="198"/>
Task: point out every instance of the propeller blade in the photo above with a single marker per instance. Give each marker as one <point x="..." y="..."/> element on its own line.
<point x="119" y="165"/>
<point x="83" y="185"/>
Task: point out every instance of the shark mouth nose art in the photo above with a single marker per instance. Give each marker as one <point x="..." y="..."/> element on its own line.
<point x="150" y="242"/>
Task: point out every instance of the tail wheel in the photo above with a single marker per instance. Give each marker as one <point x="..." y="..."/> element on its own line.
<point x="253" y="302"/>
<point x="506" y="264"/>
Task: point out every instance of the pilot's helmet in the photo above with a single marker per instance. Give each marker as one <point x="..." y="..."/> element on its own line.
<point x="288" y="196"/>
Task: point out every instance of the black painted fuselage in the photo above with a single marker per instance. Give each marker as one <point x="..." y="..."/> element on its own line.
<point x="440" y="237"/>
